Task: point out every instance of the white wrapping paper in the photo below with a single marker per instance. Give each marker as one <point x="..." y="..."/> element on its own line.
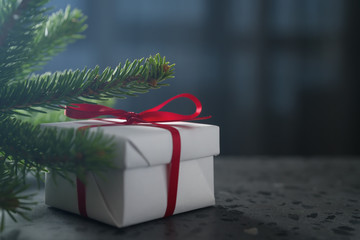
<point x="137" y="192"/>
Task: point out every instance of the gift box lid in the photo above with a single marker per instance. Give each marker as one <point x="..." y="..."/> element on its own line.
<point x="143" y="146"/>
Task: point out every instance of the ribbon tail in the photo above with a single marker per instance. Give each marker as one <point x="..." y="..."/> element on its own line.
<point x="81" y="194"/>
<point x="174" y="168"/>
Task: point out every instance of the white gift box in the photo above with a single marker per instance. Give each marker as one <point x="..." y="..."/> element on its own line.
<point x="136" y="191"/>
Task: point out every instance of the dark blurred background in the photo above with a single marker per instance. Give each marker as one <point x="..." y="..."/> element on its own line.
<point x="280" y="77"/>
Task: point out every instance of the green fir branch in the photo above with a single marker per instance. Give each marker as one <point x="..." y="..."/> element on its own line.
<point x="13" y="200"/>
<point x="51" y="90"/>
<point x="19" y="20"/>
<point x="52" y="36"/>
<point x="22" y="52"/>
<point x="13" y="16"/>
<point x="32" y="149"/>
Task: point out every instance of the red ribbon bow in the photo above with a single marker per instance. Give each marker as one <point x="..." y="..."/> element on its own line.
<point x="152" y="116"/>
<point x="86" y="111"/>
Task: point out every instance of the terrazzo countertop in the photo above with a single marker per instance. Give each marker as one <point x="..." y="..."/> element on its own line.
<point x="256" y="198"/>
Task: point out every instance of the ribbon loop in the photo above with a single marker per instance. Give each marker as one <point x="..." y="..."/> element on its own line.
<point x="154" y="115"/>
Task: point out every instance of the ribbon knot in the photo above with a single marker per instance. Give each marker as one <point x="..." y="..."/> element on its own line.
<point x="132" y="118"/>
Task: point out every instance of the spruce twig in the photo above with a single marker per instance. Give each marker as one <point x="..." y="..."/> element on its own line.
<point x="51" y="90"/>
<point x="11" y="20"/>
<point x="12" y="199"/>
<point x="18" y="24"/>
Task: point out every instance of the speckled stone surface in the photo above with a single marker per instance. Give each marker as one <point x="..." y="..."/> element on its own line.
<point x="257" y="198"/>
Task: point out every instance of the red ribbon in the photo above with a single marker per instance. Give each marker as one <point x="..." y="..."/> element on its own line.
<point x="150" y="116"/>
